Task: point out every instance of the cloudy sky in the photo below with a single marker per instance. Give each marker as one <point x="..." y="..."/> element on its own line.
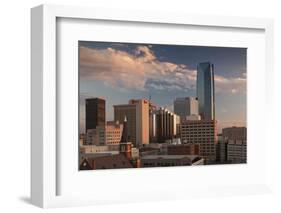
<point x="121" y="71"/>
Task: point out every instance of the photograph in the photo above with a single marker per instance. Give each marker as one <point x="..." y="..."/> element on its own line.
<point x="161" y="105"/>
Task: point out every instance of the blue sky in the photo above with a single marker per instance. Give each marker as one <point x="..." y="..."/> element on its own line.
<point x="121" y="71"/>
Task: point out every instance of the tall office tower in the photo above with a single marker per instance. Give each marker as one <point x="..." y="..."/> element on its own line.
<point x="95" y="113"/>
<point x="185" y="107"/>
<point x="137" y="114"/>
<point x="202" y="132"/>
<point x="166" y="123"/>
<point x="206" y="90"/>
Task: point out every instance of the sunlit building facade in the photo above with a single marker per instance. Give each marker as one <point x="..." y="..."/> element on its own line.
<point x="137" y="115"/>
<point x="113" y="132"/>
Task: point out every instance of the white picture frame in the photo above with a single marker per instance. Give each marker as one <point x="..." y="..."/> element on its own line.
<point x="44" y="149"/>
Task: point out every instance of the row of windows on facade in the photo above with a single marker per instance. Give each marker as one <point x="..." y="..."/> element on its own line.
<point x="199" y="125"/>
<point x="198" y="129"/>
<point x="191" y="134"/>
<point x="188" y="139"/>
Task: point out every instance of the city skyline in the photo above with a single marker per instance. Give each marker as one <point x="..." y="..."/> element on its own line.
<point x="119" y="72"/>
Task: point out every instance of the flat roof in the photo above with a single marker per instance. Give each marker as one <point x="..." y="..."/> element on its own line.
<point x="125" y="105"/>
<point x="98" y="154"/>
<point x="152" y="157"/>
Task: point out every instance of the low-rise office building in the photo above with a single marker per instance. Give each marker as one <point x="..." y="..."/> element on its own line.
<point x="109" y="134"/>
<point x="234" y="139"/>
<point x="113" y="133"/>
<point x="237" y="151"/>
<point x="202" y="132"/>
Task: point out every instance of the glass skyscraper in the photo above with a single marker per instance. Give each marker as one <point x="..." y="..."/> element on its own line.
<point x="206" y="90"/>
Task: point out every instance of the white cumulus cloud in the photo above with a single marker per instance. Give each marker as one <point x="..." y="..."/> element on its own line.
<point x="142" y="70"/>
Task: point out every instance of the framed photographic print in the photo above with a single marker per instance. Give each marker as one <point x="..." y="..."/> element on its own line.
<point x="155" y="105"/>
<point x="148" y="105"/>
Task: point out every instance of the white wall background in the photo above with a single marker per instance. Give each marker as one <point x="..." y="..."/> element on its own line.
<point x="15" y="104"/>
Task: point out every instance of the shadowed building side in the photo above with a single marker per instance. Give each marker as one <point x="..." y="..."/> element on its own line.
<point x="95" y="113"/>
<point x="185" y="106"/>
<point x="206" y="90"/>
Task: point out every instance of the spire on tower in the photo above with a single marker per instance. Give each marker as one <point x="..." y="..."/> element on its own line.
<point x="125" y="136"/>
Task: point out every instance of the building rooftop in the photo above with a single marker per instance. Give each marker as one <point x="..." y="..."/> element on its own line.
<point x="202" y="121"/>
<point x="185" y="98"/>
<point x="95" y="98"/>
<point x="98" y="154"/>
<point x="107" y="162"/>
<point x="144" y="149"/>
<point x="151" y="157"/>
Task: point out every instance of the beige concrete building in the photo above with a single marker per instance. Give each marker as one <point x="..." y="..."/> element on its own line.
<point x="193" y="117"/>
<point x="110" y="134"/>
<point x="113" y="132"/>
<point x="137" y="114"/>
<point x="93" y="149"/>
<point x="201" y="132"/>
